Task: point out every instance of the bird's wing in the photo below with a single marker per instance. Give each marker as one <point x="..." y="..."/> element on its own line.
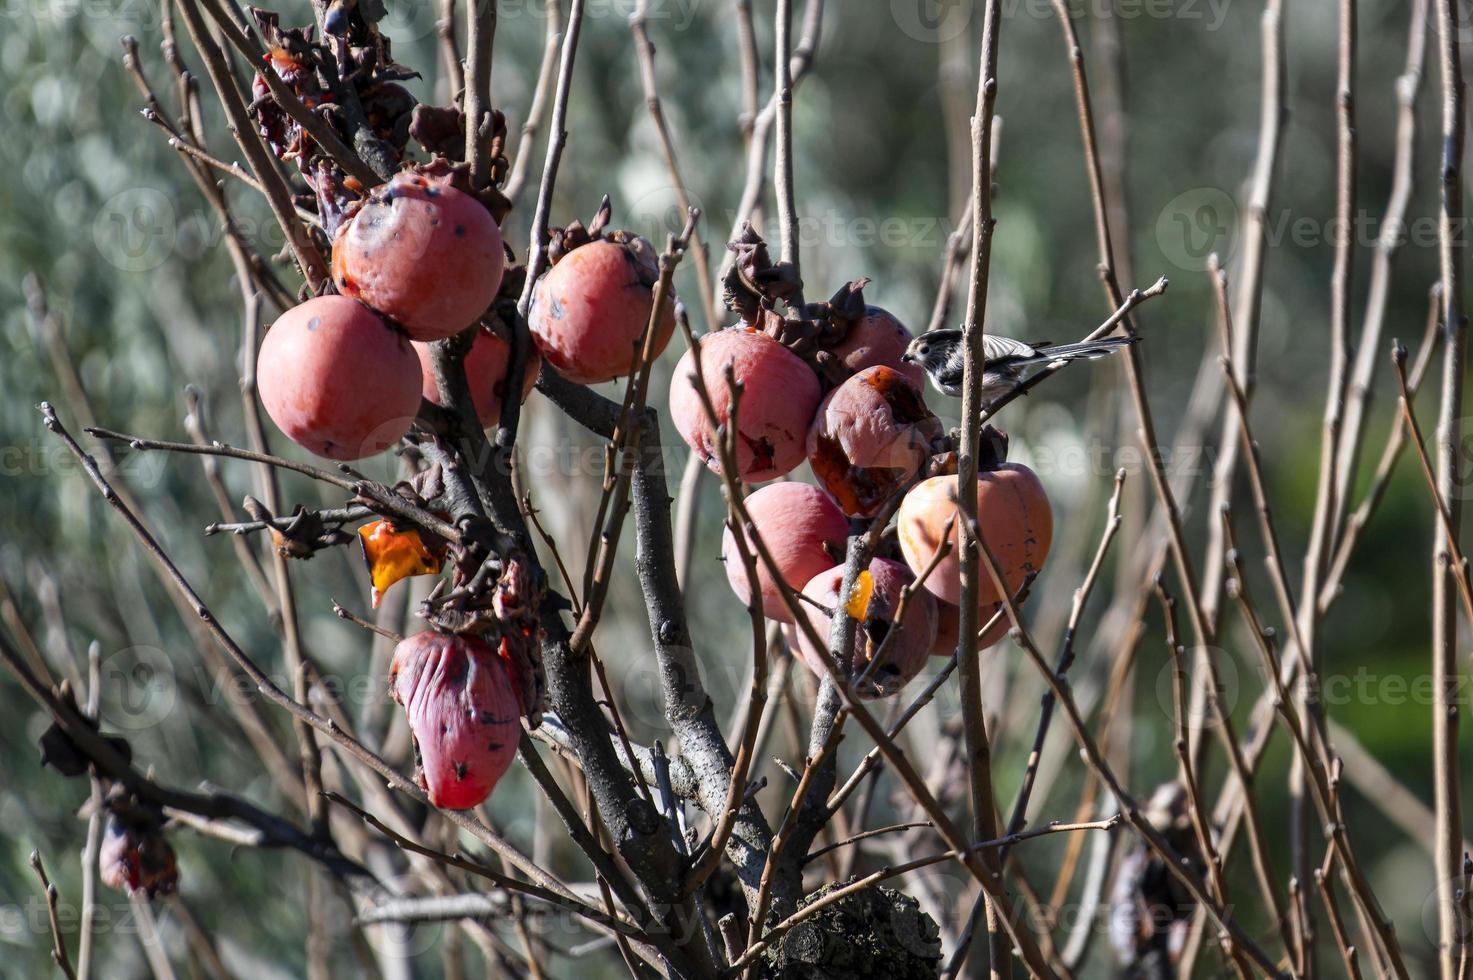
<point x="996" y="348"/>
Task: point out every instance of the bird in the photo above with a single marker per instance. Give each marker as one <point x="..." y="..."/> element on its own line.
<point x="1004" y="359"/>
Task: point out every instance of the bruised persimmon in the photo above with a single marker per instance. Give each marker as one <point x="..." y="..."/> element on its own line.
<point x="337" y="379"/>
<point x="485" y="372"/>
<point x="780" y="395"/>
<point x="804" y="531"/>
<point x="870" y="438"/>
<point x="422" y="253"/>
<point x="1013" y="517"/>
<point x="464" y="712"/>
<point x="590" y="310"/>
<point x="880" y="601"/>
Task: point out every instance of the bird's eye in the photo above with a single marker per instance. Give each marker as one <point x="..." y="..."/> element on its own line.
<point x="925" y="348"/>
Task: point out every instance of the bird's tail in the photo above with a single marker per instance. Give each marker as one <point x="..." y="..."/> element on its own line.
<point x="1088" y="350"/>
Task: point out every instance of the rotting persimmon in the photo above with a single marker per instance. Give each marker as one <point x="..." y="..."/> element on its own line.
<point x="870" y="437"/>
<point x="464" y="712"/>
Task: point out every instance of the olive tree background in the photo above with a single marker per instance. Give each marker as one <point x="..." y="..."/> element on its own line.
<point x="95" y="207"/>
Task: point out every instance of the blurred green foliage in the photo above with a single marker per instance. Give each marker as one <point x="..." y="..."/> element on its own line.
<point x="94" y="203"/>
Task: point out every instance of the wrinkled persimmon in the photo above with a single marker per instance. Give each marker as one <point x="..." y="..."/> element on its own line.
<point x="464" y="713"/>
<point x="871" y="436"/>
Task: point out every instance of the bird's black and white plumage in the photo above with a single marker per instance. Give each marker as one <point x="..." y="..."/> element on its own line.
<point x="941" y="353"/>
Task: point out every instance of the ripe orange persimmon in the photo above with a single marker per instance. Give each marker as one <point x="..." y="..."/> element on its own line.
<point x="1013" y="516"/>
<point x="591" y="308"/>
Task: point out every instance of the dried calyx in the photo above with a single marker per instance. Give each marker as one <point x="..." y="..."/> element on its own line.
<point x="495" y="592"/>
<point x="756" y="285"/>
<point x="576" y="234"/>
<point x="353" y="66"/>
<point x="350" y="79"/>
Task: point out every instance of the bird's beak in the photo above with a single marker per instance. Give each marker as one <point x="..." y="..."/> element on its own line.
<point x="907" y="358"/>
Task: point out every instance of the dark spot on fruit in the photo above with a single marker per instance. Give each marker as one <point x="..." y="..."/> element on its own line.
<point x="460" y="770"/>
<point x="904" y="400"/>
<point x="460" y="231"/>
<point x="494" y="746"/>
<point x="314" y="323"/>
<point x="762" y="450"/>
<point x="856" y="488"/>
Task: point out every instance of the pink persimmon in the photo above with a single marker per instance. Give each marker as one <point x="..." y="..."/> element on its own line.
<point x="907" y="650"/>
<point x="464" y="713"/>
<point x="871" y="436"/>
<point x="1014" y="519"/>
<point x="804" y="531"/>
<point x="780" y="395"/>
<point x="590" y="310"/>
<point x="948" y="627"/>
<point x="485" y="372"/>
<point x="337" y="379"/>
<point x="422" y="253"/>
<point x="879" y="338"/>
